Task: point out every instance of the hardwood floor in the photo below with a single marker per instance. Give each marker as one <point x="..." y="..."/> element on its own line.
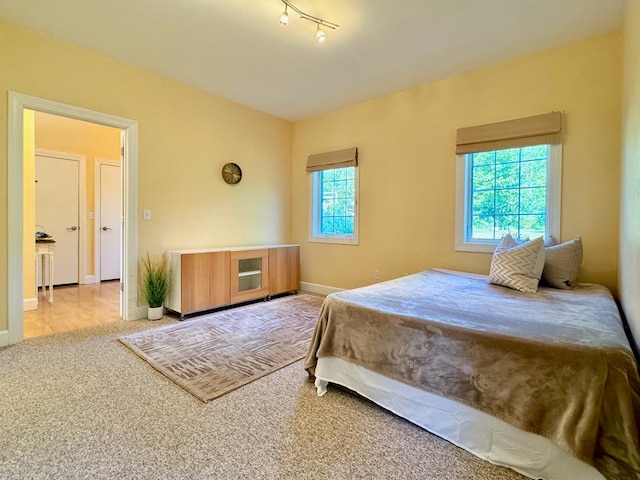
<point x="74" y="307"/>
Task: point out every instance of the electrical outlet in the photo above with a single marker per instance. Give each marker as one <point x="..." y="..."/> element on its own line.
<point x="376" y="274"/>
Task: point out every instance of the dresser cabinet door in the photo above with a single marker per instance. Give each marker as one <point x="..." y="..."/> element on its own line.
<point x="205" y="280"/>
<point x="284" y="269"/>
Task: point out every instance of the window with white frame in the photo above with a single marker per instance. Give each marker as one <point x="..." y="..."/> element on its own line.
<point x="334" y="197"/>
<point x="508" y="190"/>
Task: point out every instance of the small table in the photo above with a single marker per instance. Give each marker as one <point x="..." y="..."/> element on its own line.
<point x="44" y="251"/>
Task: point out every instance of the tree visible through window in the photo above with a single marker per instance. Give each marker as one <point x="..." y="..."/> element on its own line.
<point x="507" y="193"/>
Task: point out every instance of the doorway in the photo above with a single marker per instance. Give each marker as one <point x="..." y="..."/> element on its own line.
<point x="67" y="210"/>
<point x="17" y="104"/>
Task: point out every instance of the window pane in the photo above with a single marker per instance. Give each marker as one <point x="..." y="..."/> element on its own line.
<point x="535" y="152"/>
<point x="484" y="158"/>
<point x="532" y="226"/>
<point x="340" y="173"/>
<point x="507" y="201"/>
<point x="340" y="208"/>
<point x="484" y="177"/>
<point x="482" y="227"/>
<point x="533" y="200"/>
<point x="328" y="175"/>
<point x="483" y="202"/>
<point x="340" y="226"/>
<point x="349" y="225"/>
<point x="507" y="175"/>
<point x="350" y="186"/>
<point x="507" y="224"/>
<point x="510" y="155"/>
<point x="327" y="226"/>
<point x="534" y="173"/>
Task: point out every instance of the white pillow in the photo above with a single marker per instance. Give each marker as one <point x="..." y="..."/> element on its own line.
<point x="517" y="266"/>
<point x="562" y="263"/>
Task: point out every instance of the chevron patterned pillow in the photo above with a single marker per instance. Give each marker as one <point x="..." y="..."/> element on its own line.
<point x="517" y="266"/>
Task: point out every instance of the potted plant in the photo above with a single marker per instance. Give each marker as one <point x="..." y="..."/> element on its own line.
<point x="155" y="285"/>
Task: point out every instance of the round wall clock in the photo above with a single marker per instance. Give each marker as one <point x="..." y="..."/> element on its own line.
<point x="231" y="173"/>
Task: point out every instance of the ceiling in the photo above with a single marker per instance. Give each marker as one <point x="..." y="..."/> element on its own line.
<point x="238" y="50"/>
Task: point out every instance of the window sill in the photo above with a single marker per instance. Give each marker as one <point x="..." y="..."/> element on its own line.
<point x="476" y="247"/>
<point x="336" y="240"/>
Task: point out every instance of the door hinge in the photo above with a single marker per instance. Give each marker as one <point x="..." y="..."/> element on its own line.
<point x="122" y="151"/>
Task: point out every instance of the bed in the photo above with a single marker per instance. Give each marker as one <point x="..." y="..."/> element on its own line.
<point x="543" y="383"/>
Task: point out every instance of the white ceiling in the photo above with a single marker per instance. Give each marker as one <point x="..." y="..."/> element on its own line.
<point x="238" y="50"/>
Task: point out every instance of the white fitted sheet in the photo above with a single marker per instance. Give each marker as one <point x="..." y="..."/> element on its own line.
<point x="477" y="432"/>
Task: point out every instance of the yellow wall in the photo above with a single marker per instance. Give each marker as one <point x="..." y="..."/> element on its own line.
<point x="630" y="217"/>
<point x="406" y="144"/>
<point x="67" y="135"/>
<point x="29" y="199"/>
<point x="185" y="136"/>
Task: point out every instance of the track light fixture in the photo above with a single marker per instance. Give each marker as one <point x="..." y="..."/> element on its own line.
<point x="284" y="18"/>
<point x="320" y="35"/>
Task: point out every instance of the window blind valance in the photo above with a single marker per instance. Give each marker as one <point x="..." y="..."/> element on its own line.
<point x="521" y="132"/>
<point x="338" y="159"/>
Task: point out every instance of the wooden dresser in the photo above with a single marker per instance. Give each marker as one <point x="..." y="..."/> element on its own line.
<point x="204" y="279"/>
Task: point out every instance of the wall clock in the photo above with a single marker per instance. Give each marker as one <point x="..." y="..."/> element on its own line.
<point x="231" y="173"/>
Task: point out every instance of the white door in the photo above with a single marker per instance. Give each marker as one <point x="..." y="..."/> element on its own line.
<point x="110" y="224"/>
<point x="57" y="212"/>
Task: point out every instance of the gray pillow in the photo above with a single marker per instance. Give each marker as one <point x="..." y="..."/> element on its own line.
<point x="518" y="266"/>
<point x="562" y="264"/>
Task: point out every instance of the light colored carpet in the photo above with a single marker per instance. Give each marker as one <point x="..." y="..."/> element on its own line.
<point x="215" y="354"/>
<point x="80" y="406"/>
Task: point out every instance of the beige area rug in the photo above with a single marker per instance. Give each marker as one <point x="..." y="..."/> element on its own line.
<point x="216" y="354"/>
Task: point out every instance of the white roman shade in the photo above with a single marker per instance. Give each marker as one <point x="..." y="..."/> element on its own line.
<point x="521" y="132"/>
<point x="338" y="159"/>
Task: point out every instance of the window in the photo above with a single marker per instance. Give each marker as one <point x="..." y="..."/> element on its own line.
<point x="513" y="190"/>
<point x="334" y="205"/>
<point x="508" y="181"/>
<point x="334" y="196"/>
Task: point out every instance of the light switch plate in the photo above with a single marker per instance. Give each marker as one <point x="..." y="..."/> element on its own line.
<point x="146" y="214"/>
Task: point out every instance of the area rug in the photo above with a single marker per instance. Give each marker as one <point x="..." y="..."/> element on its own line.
<point x="213" y="355"/>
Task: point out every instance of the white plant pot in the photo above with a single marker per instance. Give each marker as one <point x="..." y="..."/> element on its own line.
<point x="155" y="313"/>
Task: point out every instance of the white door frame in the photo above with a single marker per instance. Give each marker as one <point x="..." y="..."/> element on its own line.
<point x="17" y="103"/>
<point x="97" y="220"/>
<point x="82" y="205"/>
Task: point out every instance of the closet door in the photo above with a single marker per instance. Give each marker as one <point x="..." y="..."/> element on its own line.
<point x="109" y="213"/>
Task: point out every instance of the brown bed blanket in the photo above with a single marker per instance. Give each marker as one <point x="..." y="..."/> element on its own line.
<point x="556" y="363"/>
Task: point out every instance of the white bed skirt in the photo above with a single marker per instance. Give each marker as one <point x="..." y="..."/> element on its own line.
<point x="477" y="432"/>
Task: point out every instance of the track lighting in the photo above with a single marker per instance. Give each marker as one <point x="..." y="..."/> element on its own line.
<point x="320" y="35"/>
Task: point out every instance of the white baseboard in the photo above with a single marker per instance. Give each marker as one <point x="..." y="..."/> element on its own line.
<point x="321" y="289"/>
<point x="29" y="304"/>
<point x="89" y="279"/>
<point x="141" y="313"/>
<point x="4" y="338"/>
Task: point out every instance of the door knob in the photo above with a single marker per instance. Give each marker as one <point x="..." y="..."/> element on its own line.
<point x="72" y="229"/>
<point x="106" y="228"/>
